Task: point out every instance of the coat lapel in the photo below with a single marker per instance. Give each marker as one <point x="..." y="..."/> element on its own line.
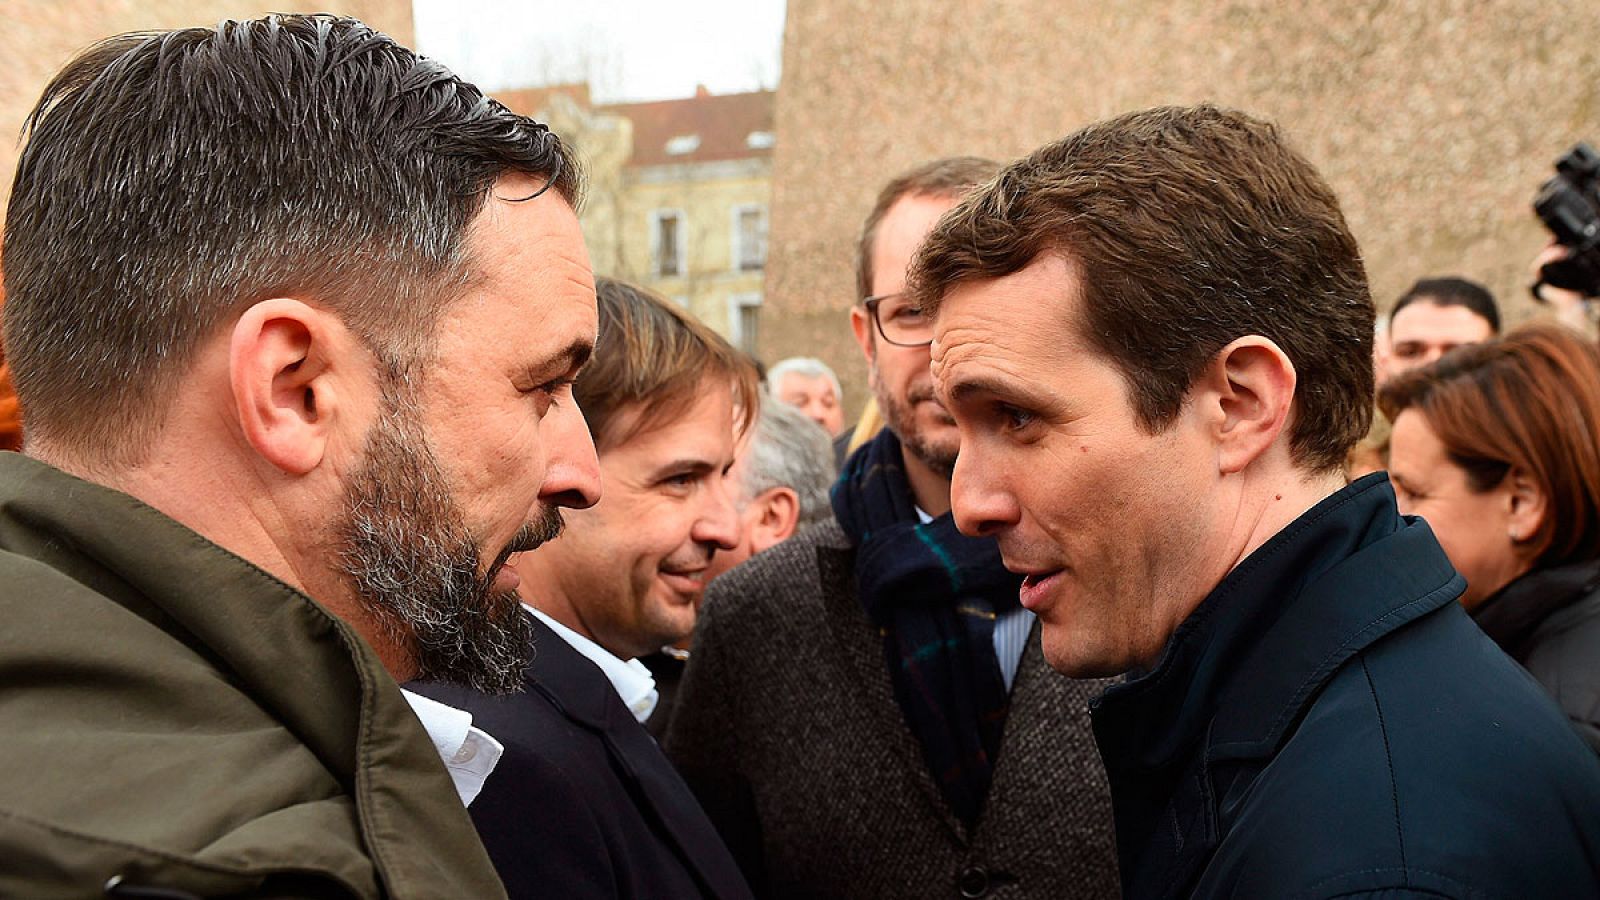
<point x="583" y="694"/>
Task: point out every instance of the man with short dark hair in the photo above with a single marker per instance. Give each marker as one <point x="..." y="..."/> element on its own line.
<point x="1154" y="336"/>
<point x="1435" y="316"/>
<point x="293" y="312"/>
<point x="866" y="711"/>
<point x="584" y="804"/>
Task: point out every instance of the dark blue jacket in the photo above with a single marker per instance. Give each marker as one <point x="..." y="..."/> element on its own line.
<point x="1330" y="723"/>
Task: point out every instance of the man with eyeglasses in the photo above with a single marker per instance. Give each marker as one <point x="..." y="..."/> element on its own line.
<point x="868" y="711"/>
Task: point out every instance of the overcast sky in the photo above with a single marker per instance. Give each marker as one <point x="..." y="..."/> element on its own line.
<point x="626" y="49"/>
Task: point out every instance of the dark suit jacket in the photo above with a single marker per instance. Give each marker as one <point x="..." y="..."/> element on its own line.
<point x="787" y="727"/>
<point x="582" y="803"/>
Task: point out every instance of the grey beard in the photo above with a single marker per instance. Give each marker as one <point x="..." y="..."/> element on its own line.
<point x="405" y="550"/>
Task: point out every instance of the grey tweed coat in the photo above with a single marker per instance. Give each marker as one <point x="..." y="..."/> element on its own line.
<point x="788" y="731"/>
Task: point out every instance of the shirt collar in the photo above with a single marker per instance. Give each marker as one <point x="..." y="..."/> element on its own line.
<point x="469" y="753"/>
<point x="632" y="681"/>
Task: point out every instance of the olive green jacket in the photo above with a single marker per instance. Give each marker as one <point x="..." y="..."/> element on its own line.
<point x="172" y="717"/>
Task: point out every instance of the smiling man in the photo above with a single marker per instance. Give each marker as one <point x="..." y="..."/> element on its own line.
<point x="294" y="313"/>
<point x="1155" y="338"/>
<point x="583" y="803"/>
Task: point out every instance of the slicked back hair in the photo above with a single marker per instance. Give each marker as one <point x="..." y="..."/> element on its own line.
<point x="651" y="364"/>
<point x="172" y="179"/>
<point x="950" y="177"/>
<point x="1191" y="227"/>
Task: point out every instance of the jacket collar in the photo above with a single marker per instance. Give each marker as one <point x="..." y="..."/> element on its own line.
<point x="1238" y="672"/>
<point x="291" y="656"/>
<point x="1512" y="616"/>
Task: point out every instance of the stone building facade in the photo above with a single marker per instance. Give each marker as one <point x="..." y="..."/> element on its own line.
<point x="677" y="195"/>
<point x="1435" y="120"/>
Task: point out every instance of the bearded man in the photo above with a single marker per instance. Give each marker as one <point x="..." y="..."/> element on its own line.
<point x="295" y="314"/>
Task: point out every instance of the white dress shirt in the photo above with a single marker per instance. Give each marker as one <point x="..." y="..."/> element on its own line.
<point x="633" y="682"/>
<point x="469" y="753"/>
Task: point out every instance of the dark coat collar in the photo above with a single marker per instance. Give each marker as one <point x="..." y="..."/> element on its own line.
<point x="1241" y="669"/>
<point x="1513" y="615"/>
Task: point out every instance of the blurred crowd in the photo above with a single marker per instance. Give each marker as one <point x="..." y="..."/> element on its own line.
<point x="364" y="542"/>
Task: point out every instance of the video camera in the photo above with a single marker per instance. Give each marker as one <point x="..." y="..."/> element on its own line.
<point x="1569" y="205"/>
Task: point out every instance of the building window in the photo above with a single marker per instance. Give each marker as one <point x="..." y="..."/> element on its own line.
<point x="749" y="238"/>
<point x="744" y="322"/>
<point x="666" y="243"/>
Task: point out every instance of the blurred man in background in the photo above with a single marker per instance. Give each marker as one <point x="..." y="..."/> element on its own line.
<point x="1435" y="316"/>
<point x="811" y="387"/>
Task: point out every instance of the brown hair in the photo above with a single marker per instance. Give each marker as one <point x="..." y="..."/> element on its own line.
<point x="652" y="356"/>
<point x="1193" y="227"/>
<point x="1529" y="401"/>
<point x="949" y="177"/>
<point x="171" y="179"/>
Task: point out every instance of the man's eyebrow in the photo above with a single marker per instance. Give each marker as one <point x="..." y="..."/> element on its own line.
<point x="966" y="387"/>
<point x="573" y="358"/>
<point x="687" y="464"/>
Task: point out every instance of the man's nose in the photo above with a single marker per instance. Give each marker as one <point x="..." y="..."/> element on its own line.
<point x="572" y="477"/>
<point x="718" y="523"/>
<point x="980" y="504"/>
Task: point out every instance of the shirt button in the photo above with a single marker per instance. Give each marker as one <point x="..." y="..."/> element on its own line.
<point x="466" y="753"/>
<point x="973" y="882"/>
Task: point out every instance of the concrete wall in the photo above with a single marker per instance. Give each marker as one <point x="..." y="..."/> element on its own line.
<point x="38" y="37"/>
<point x="1435" y="120"/>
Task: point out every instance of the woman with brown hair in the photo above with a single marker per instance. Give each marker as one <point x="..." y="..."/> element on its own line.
<point x="1497" y="446"/>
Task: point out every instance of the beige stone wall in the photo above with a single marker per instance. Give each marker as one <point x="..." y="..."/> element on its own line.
<point x="38" y="37"/>
<point x="1435" y="120"/>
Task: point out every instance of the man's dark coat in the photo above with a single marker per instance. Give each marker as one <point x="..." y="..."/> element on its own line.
<point x="583" y="803"/>
<point x="1329" y="723"/>
<point x="787" y="727"/>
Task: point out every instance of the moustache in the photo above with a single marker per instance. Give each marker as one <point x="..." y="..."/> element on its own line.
<point x="547" y="527"/>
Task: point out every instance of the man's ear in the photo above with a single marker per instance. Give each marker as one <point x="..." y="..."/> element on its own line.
<point x="777" y="519"/>
<point x="1245" y="396"/>
<point x="280" y="368"/>
<point x="1528" y="506"/>
<point x="861" y="324"/>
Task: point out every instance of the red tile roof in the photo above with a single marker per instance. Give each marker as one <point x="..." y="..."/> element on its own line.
<point x="723" y="123"/>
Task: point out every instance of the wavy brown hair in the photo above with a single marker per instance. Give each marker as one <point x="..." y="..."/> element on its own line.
<point x="1529" y="401"/>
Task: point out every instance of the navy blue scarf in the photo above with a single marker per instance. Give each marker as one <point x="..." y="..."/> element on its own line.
<point x="934" y="593"/>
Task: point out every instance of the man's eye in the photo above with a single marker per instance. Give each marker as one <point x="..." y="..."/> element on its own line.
<point x="1016" y="419"/>
<point x="906" y="314"/>
<point x="549" y="393"/>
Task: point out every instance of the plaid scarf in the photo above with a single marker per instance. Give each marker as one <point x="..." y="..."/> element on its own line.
<point x="934" y="594"/>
